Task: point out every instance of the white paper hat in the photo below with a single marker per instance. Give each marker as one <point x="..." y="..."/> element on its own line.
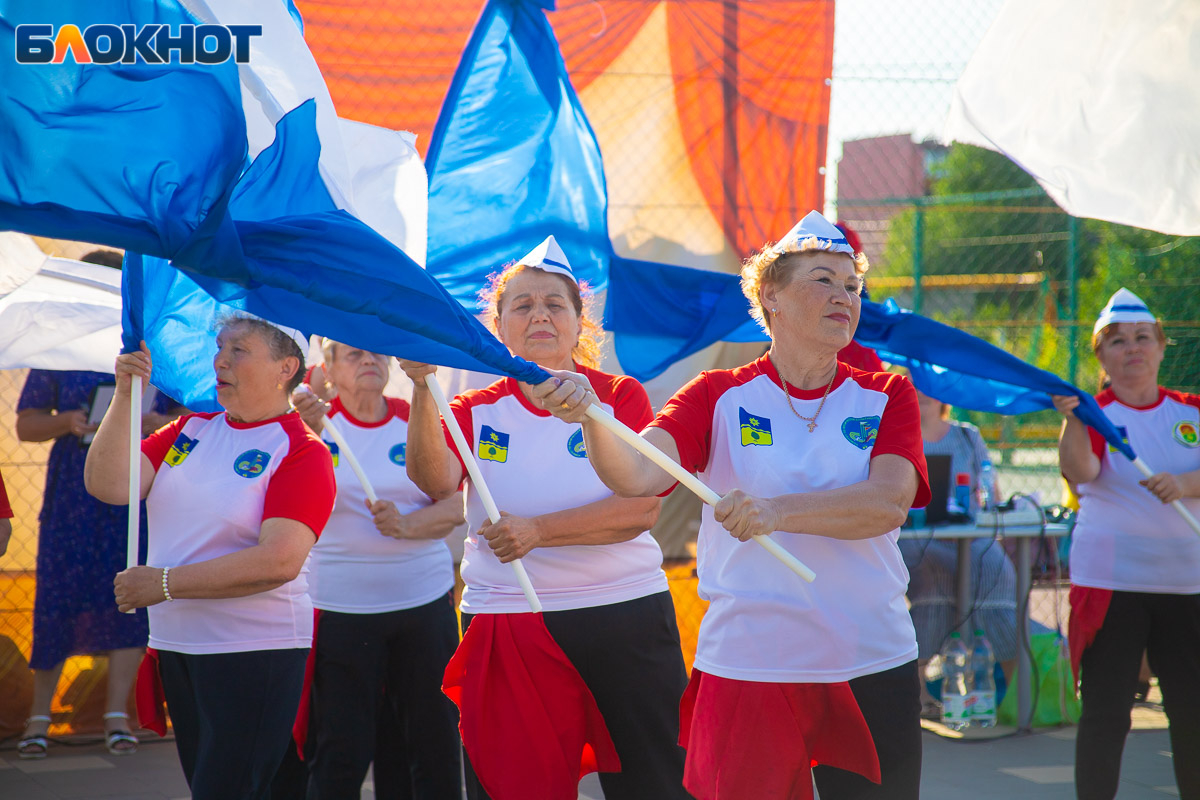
<point x="1123" y="306"/>
<point x="302" y="341"/>
<point x="549" y="257"/>
<point x="814" y="226"/>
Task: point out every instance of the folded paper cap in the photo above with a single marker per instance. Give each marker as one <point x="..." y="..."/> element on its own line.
<point x="302" y="341"/>
<point x="1123" y="306"/>
<point x="549" y="257"/>
<point x="814" y="226"/>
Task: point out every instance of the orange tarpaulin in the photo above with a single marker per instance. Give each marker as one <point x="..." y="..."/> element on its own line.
<point x="750" y="84"/>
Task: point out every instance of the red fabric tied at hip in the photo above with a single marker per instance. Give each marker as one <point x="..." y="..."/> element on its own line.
<point x="304" y="710"/>
<point x="1089" y="607"/>
<point x="760" y="741"/>
<point x="528" y="722"/>
<point x="149" y="696"/>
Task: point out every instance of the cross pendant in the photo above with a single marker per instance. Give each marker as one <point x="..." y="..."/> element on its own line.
<point x="812" y="426"/>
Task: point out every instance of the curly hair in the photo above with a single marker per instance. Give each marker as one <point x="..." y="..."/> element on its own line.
<point x="587" y="350"/>
<point x="771" y="267"/>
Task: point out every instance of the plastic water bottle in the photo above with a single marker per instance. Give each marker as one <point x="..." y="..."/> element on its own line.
<point x="955" y="683"/>
<point x="982" y="702"/>
<point x="987" y="486"/>
<point x="961" y="502"/>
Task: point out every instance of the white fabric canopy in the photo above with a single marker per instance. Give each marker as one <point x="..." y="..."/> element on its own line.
<point x="1097" y="100"/>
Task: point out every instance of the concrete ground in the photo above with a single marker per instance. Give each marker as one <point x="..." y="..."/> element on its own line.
<point x="1033" y="767"/>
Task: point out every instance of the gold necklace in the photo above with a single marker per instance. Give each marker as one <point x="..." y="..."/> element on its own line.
<point x="812" y="421"/>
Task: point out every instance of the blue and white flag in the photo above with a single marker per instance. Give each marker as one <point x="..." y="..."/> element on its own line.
<point x="152" y="158"/>
<point x="660" y="314"/>
<point x="513" y="158"/>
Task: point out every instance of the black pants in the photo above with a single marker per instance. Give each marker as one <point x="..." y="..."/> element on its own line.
<point x="629" y="656"/>
<point x="233" y="715"/>
<point x="1167" y="627"/>
<point x="891" y="704"/>
<point x="395" y="660"/>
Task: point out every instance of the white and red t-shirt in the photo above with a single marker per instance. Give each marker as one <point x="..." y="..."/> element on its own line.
<point x="1126" y="538"/>
<point x="535" y="464"/>
<point x="354" y="568"/>
<point x="215" y="483"/>
<point x="734" y="428"/>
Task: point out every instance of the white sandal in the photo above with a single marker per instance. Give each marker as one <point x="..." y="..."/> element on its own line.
<point x="34" y="746"/>
<point x="119" y="742"/>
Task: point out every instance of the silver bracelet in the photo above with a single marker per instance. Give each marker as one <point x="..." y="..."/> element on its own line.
<point x="166" y="590"/>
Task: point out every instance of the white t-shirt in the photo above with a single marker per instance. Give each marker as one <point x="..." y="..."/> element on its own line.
<point x="1125" y="537"/>
<point x="354" y="568"/>
<point x="765" y="624"/>
<point x="215" y="482"/>
<point x="535" y="464"/>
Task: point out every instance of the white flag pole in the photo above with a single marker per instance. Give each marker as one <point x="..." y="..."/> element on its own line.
<point x="1187" y="515"/>
<point x="344" y="450"/>
<point x="135" y="476"/>
<point x="485" y="495"/>
<point x="690" y="481"/>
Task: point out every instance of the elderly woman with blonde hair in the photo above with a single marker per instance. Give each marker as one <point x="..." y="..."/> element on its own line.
<point x="828" y="459"/>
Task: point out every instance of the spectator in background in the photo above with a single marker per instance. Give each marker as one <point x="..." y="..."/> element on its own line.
<point x="5" y="518"/>
<point x="81" y="546"/>
<point x="933" y="563"/>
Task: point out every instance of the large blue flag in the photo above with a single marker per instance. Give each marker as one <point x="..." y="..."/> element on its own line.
<point x="513" y="158"/>
<point x="152" y="159"/>
<point x="660" y="314"/>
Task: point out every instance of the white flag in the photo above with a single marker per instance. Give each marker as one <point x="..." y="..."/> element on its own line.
<point x="56" y="313"/>
<point x="1099" y="100"/>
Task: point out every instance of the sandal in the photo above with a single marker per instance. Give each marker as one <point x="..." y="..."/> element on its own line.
<point x="119" y="741"/>
<point x="34" y="746"/>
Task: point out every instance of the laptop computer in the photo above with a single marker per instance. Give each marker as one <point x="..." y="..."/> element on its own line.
<point x="940" y="484"/>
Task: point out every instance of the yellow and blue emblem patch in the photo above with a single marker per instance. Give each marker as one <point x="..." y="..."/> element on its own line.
<point x="333" y="451"/>
<point x="396" y="454"/>
<point x="180" y="449"/>
<point x="575" y="445"/>
<point x="251" y="463"/>
<point x="861" y="431"/>
<point x="493" y="445"/>
<point x="756" y="429"/>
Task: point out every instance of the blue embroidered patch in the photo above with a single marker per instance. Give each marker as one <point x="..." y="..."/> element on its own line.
<point x="575" y="445"/>
<point x="396" y="454"/>
<point x="251" y="463"/>
<point x="861" y="431"/>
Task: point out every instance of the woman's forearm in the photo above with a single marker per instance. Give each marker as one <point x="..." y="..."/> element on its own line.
<point x="106" y="469"/>
<point x="861" y="510"/>
<point x="435" y="521"/>
<point x="624" y="470"/>
<point x="1075" y="457"/>
<point x="607" y="521"/>
<point x="256" y="569"/>
<point x="431" y="464"/>
<point x="42" y="425"/>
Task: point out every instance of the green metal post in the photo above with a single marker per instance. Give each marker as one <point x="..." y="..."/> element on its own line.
<point x="918" y="255"/>
<point x="1073" y="298"/>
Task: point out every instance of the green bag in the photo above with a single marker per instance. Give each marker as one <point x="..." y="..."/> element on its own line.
<point x="1053" y="685"/>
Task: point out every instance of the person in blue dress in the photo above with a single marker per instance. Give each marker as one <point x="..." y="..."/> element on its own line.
<point x="81" y="546"/>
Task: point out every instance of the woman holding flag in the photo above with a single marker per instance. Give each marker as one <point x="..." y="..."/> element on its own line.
<point x="1135" y="564"/>
<point x="788" y="673"/>
<point x="589" y="554"/>
<point x="382" y="579"/>
<point x="235" y="501"/>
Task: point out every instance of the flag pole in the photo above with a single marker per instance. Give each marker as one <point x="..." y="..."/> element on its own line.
<point x="344" y="449"/>
<point x="626" y="434"/>
<point x="485" y="495"/>
<point x="135" y="475"/>
<point x="1187" y="515"/>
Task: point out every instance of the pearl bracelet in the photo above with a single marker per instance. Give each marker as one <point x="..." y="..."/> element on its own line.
<point x="166" y="591"/>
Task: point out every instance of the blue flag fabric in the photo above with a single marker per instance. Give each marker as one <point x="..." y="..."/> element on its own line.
<point x="151" y="159"/>
<point x="660" y="314"/>
<point x="513" y="158"/>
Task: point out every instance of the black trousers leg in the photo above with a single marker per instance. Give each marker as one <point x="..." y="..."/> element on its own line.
<point x="418" y="650"/>
<point x="237" y="710"/>
<point x="891" y="705"/>
<point x="1174" y="650"/>
<point x="1108" y="677"/>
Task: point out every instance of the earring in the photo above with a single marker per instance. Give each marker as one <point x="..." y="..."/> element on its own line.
<point x="775" y="311"/>
<point x="279" y="386"/>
